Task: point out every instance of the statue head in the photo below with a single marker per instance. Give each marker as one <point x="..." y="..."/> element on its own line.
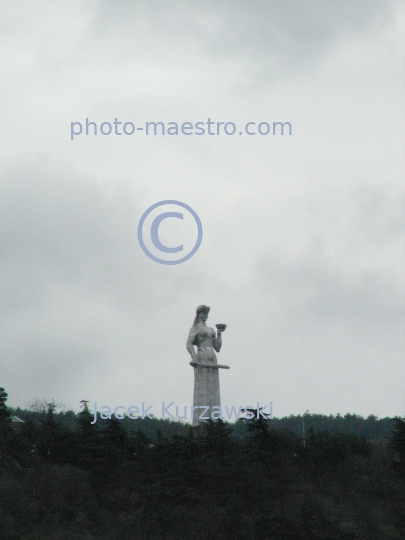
<point x="201" y="313"/>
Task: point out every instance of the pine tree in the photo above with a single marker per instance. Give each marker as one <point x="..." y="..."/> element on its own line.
<point x="115" y="441"/>
<point x="398" y="438"/>
<point x="258" y="429"/>
<point x="87" y="439"/>
<point x="54" y="439"/>
<point x="217" y="436"/>
<point x="5" y="421"/>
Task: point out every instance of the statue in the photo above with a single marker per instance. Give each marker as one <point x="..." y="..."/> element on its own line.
<point x="204" y="362"/>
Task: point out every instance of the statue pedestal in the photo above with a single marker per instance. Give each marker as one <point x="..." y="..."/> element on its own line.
<point x="206" y="391"/>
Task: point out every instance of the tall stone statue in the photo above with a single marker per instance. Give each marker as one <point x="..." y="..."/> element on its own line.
<point x="204" y="362"/>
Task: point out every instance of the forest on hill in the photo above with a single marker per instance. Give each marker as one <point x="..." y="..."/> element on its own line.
<point x="370" y="428"/>
<point x="63" y="478"/>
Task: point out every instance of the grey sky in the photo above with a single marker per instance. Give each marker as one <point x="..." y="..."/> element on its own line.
<point x="303" y="249"/>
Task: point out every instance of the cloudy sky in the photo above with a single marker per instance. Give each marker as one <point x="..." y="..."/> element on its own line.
<point x="303" y="247"/>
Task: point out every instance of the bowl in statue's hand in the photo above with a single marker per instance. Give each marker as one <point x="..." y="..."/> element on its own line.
<point x="221" y="327"/>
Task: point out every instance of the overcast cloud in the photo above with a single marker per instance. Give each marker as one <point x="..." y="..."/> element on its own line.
<point x="303" y="255"/>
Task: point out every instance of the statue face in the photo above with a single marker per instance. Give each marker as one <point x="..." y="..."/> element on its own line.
<point x="203" y="315"/>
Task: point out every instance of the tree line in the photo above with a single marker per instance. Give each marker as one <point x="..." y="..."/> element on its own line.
<point x="62" y="477"/>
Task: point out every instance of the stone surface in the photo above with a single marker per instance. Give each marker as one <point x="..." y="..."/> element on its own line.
<point x="206" y="379"/>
